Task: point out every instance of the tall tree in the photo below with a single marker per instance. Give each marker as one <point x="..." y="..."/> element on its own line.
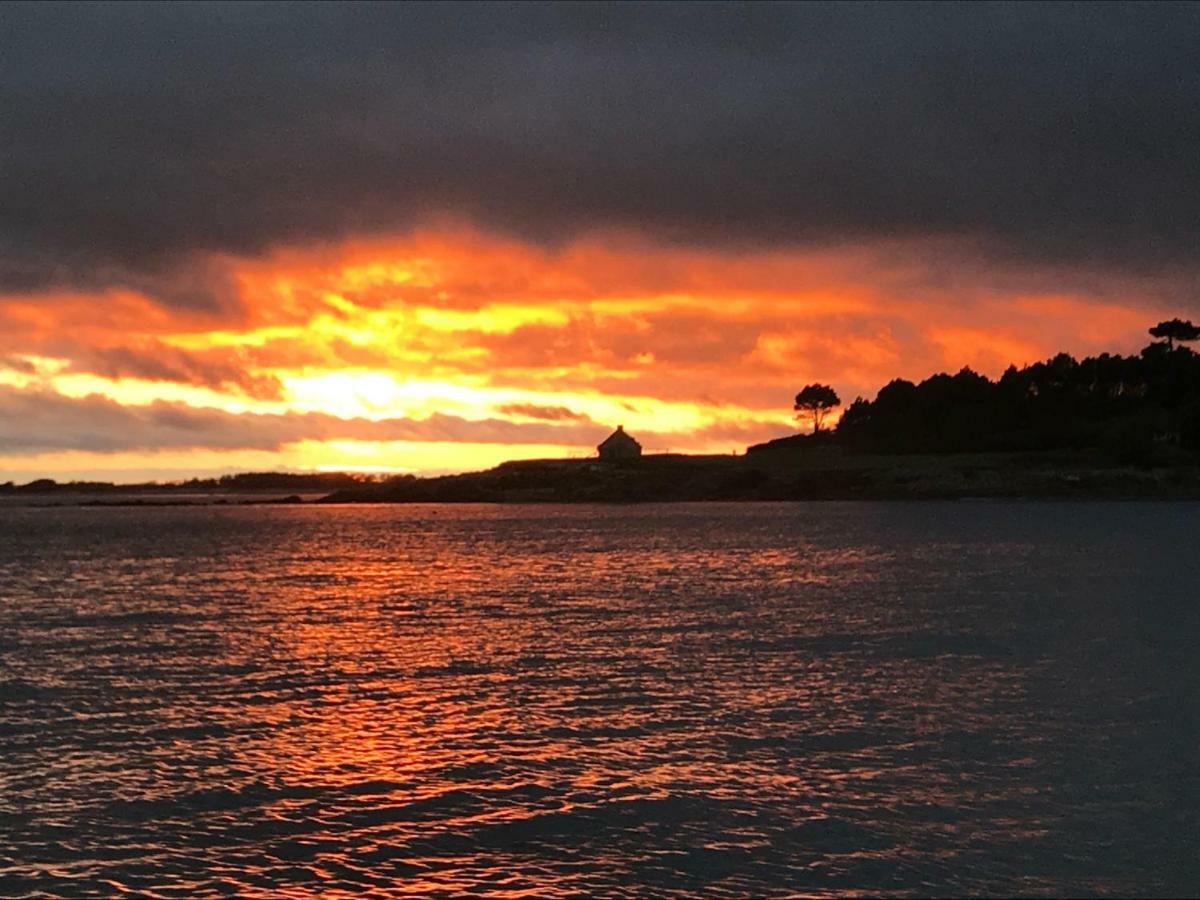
<point x="814" y="403"/>
<point x="1176" y="330"/>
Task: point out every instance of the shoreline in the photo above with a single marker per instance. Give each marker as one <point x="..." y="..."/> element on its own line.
<point x="903" y="500"/>
<point x="792" y="476"/>
<point x="796" y="476"/>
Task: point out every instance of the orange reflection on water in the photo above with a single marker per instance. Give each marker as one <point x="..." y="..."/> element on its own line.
<point x="712" y="699"/>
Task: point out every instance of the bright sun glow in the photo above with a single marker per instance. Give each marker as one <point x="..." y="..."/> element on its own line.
<point x="474" y="349"/>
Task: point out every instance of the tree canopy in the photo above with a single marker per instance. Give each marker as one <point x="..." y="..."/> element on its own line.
<point x="1176" y="330"/>
<point x="814" y="403"/>
<point x="1125" y="404"/>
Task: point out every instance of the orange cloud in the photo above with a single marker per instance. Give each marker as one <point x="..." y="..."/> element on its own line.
<point x="692" y="348"/>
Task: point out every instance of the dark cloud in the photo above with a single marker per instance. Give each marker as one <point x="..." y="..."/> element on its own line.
<point x="17" y="364"/>
<point x="157" y="362"/>
<point x="37" y="421"/>
<point x="140" y="139"/>
<point x="542" y="413"/>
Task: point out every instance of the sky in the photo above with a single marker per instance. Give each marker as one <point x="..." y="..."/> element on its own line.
<point x="429" y="238"/>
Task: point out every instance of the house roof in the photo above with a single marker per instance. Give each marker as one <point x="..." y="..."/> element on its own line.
<point x="619" y="438"/>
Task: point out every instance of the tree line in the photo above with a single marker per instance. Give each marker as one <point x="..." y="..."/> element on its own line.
<point x="1128" y="404"/>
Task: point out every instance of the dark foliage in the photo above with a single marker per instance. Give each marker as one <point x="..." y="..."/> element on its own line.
<point x="1175" y="330"/>
<point x="814" y="403"/>
<point x="1132" y="406"/>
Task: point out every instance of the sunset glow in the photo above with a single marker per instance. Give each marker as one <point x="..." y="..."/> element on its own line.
<point x="454" y="350"/>
<point x="599" y="449"/>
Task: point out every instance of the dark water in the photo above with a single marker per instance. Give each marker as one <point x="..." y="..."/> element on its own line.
<point x="706" y="699"/>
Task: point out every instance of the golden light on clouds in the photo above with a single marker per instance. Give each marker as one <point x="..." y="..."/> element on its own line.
<point x="473" y="349"/>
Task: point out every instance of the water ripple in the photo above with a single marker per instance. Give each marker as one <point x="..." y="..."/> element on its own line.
<point x="695" y="700"/>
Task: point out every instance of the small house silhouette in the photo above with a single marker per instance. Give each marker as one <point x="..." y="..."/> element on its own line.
<point x="619" y="445"/>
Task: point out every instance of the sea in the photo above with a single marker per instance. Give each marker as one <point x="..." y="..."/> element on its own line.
<point x="707" y="700"/>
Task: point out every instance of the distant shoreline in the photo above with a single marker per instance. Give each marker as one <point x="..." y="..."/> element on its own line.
<point x="788" y="472"/>
<point x="808" y="474"/>
<point x="824" y="474"/>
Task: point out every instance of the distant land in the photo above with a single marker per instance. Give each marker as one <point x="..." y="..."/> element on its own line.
<point x="785" y="471"/>
<point x="790" y="474"/>
<point x="1106" y="427"/>
<point x="248" y="487"/>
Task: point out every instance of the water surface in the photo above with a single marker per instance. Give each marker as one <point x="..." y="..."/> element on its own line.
<point x="706" y="699"/>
